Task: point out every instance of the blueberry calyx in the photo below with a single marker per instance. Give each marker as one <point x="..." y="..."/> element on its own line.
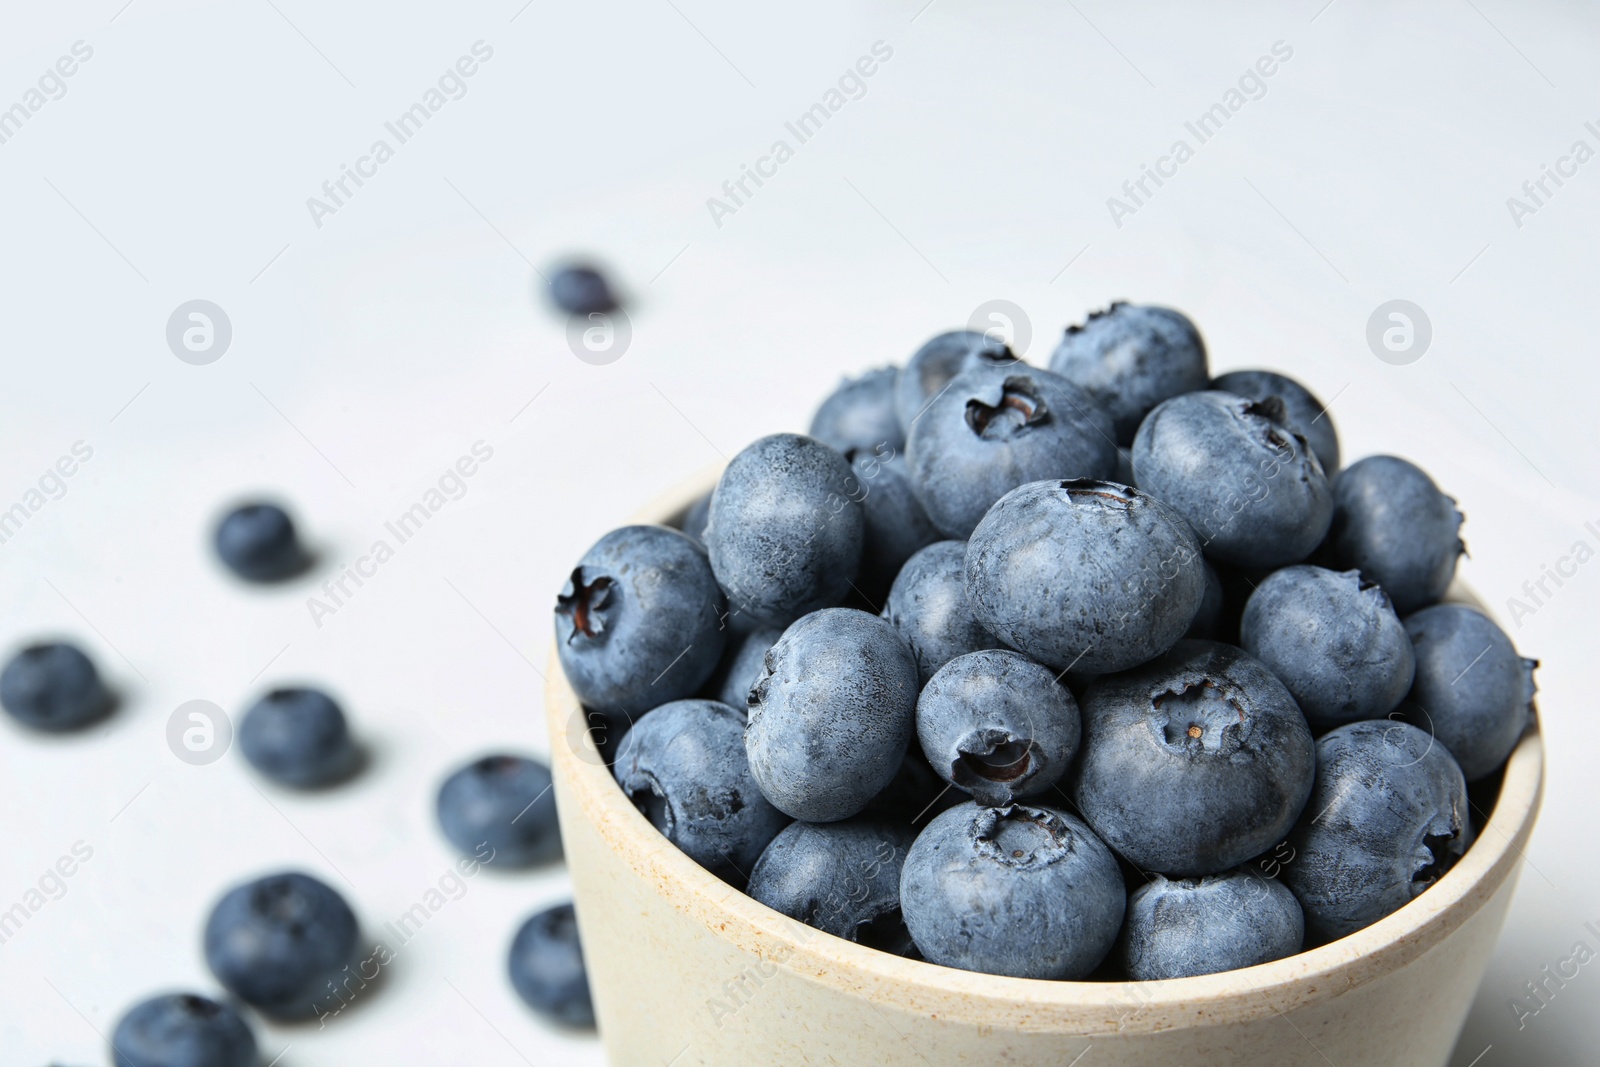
<point x="1079" y="327"/>
<point x="1016" y="395"/>
<point x="1119" y="496"/>
<point x="1201" y="717"/>
<point x="990" y="758"/>
<point x="199" y="1006"/>
<point x="584" y="602"/>
<point x="1020" y="836"/>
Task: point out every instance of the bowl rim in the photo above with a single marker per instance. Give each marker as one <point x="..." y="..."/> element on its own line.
<point x="1002" y="1002"/>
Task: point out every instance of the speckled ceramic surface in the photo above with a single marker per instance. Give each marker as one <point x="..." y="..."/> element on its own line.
<point x="686" y="970"/>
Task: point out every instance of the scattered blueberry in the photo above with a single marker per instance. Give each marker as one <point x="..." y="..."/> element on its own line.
<point x="1473" y="693"/>
<point x="278" y="943"/>
<point x="639" y="622"/>
<point x="581" y="290"/>
<point x="786" y="529"/>
<point x="182" y="1030"/>
<point x="831" y="714"/>
<point x="53" y="687"/>
<point x="1023" y="891"/>
<point x="860" y="414"/>
<point x="1387" y="818"/>
<point x="998" y="726"/>
<point x="1333" y="640"/>
<point x="941" y="359"/>
<point x="258" y="543"/>
<point x="741" y="663"/>
<point x="1193" y="763"/>
<point x="501" y="810"/>
<point x="928" y="605"/>
<point x="1249" y="485"/>
<point x="989" y="432"/>
<point x="896" y="524"/>
<point x="842" y="878"/>
<point x="1180" y="928"/>
<point x="297" y="737"/>
<point x="1306" y="414"/>
<point x="1084" y="575"/>
<point x="684" y="767"/>
<point x="546" y="966"/>
<point x="1394" y="525"/>
<point x="1132" y="357"/>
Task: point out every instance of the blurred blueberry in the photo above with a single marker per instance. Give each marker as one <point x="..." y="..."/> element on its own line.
<point x="998" y="726"/>
<point x="1194" y="762"/>
<point x="831" y="714"/>
<point x="546" y="966"/>
<point x="581" y="290"/>
<point x="1132" y="357"/>
<point x="297" y="737"/>
<point x="1084" y="575"/>
<point x="786" y="529"/>
<point x="1023" y="891"/>
<point x="695" y="519"/>
<point x="896" y="524"/>
<point x="860" y="414"/>
<point x="928" y="605"/>
<point x="53" y="687"/>
<point x="1387" y="819"/>
<point x="639" y="622"/>
<point x="501" y="810"/>
<point x="1306" y="414"/>
<point x="1248" y="483"/>
<point x="842" y="878"/>
<point x="989" y="432"/>
<point x="258" y="543"/>
<point x="1393" y="524"/>
<point x="1180" y="928"/>
<point x="740" y="665"/>
<point x="1333" y="639"/>
<point x="684" y="767"/>
<point x="940" y="359"/>
<point x="182" y="1030"/>
<point x="278" y="943"/>
<point x="1473" y="693"/>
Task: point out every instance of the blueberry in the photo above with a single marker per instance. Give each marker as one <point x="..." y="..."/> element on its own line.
<point x="581" y="290"/>
<point x="297" y="737"/>
<point x="1243" y="478"/>
<point x="1195" y="762"/>
<point x="1394" y="525"/>
<point x="1210" y="622"/>
<point x="684" y="766"/>
<point x="1388" y="817"/>
<point x="695" y="519"/>
<point x="786" y="529"/>
<point x="896" y="524"/>
<point x="928" y="604"/>
<point x="860" y="414"/>
<point x="831" y="714"/>
<point x="639" y="622"/>
<point x="1087" y="575"/>
<point x="990" y="432"/>
<point x="942" y="358"/>
<point x="1306" y="414"/>
<point x="182" y="1030"/>
<point x="501" y="810"/>
<point x="278" y="943"/>
<point x="998" y="725"/>
<point x="915" y="794"/>
<point x="258" y="543"/>
<point x="1333" y="640"/>
<point x="842" y="878"/>
<point x="546" y="966"/>
<point x="1180" y="928"/>
<point x="53" y="687"/>
<point x="1473" y="693"/>
<point x="1023" y="891"/>
<point x="1132" y="357"/>
<point x="740" y="666"/>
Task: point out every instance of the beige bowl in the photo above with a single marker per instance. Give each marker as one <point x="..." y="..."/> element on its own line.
<point x="686" y="970"/>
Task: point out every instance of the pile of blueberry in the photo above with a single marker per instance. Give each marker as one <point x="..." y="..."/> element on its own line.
<point x="288" y="945"/>
<point x="1106" y="670"/>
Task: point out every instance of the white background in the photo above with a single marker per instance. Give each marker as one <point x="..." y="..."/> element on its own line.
<point x="372" y="351"/>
